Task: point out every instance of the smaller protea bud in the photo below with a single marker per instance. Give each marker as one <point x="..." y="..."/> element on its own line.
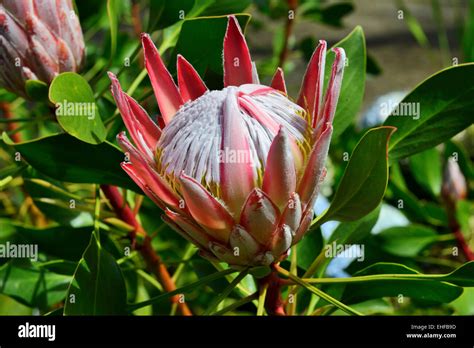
<point x="38" y="40"/>
<point x="454" y="184"/>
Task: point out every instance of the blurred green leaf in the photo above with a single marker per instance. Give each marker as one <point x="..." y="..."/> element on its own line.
<point x="8" y="306"/>
<point x="427" y="169"/>
<point x="65" y="158"/>
<point x="445" y="102"/>
<point x="223" y="7"/>
<point x="468" y="35"/>
<point x="459" y="153"/>
<point x="54" y="201"/>
<point x="355" y="231"/>
<point x="309" y="248"/>
<point x="98" y="287"/>
<point x="32" y="286"/>
<point x="373" y="67"/>
<point x="37" y="90"/>
<point x="365" y="179"/>
<point x="406" y="241"/>
<point x="464" y="304"/>
<point x="428" y="290"/>
<point x="113" y="15"/>
<point x="165" y="13"/>
<point x="76" y="110"/>
<point x="462" y="276"/>
<point x="60" y="241"/>
<point x="413" y="24"/>
<point x="331" y="14"/>
<point x="353" y="83"/>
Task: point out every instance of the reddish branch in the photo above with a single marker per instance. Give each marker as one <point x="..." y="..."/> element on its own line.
<point x="152" y="260"/>
<point x="273" y="301"/>
<point x="456" y="230"/>
<point x="292" y="5"/>
<point x="11" y="126"/>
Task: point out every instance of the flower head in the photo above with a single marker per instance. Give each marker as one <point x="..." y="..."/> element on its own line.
<point x="237" y="170"/>
<point x="38" y="40"/>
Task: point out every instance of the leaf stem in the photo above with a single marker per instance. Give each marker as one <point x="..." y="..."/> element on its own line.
<point x="226" y="292"/>
<point x="187" y="288"/>
<point x="237" y="304"/>
<point x="261" y="299"/>
<point x="318" y="292"/>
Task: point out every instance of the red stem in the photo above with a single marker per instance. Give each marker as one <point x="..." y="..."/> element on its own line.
<point x="292" y="5"/>
<point x="273" y="301"/>
<point x="462" y="242"/>
<point x="11" y="126"/>
<point x="148" y="253"/>
<point x="456" y="230"/>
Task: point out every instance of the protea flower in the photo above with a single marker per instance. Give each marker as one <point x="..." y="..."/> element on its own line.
<point x="38" y="40"/>
<point x="236" y="170"/>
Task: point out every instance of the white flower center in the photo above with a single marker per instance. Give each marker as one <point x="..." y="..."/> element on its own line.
<point x="191" y="142"/>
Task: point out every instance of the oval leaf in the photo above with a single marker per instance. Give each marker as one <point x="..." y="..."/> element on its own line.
<point x="98" y="286"/>
<point x="353" y="83"/>
<point x="365" y="179"/>
<point x="427" y="170"/>
<point x="32" y="286"/>
<point x="406" y="241"/>
<point x="76" y="110"/>
<point x="437" y="109"/>
<point x="421" y="289"/>
<point x="65" y="158"/>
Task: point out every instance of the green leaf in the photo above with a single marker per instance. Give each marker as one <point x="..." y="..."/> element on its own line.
<point x="445" y="101"/>
<point x="464" y="304"/>
<point x="309" y="248"/>
<point x="166" y="12"/>
<point x="260" y="271"/>
<point x="37" y="90"/>
<point x="76" y="110"/>
<point x="225" y="7"/>
<point x="355" y="231"/>
<point x="329" y="14"/>
<point x="459" y="153"/>
<point x="112" y="14"/>
<point x="373" y="67"/>
<point x="64" y="242"/>
<point x="65" y="158"/>
<point x="32" y="286"/>
<point x="98" y="287"/>
<point x="183" y="290"/>
<point x="353" y="83"/>
<point x="413" y="25"/>
<point x="462" y="276"/>
<point x="365" y="179"/>
<point x="54" y="201"/>
<point x="427" y="290"/>
<point x="201" y="42"/>
<point x="427" y="169"/>
<point x="318" y="292"/>
<point x="406" y="241"/>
